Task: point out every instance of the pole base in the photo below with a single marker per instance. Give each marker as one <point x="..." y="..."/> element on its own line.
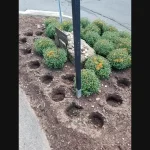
<point x="78" y="93"/>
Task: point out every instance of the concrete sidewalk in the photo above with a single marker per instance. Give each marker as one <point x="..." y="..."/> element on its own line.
<point x="31" y="136"/>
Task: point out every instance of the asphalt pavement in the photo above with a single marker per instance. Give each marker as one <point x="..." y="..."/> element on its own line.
<point x="114" y="12"/>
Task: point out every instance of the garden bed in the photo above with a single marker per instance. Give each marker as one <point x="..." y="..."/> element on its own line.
<point x="99" y="122"/>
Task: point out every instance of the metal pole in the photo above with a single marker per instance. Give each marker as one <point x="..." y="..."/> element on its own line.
<point x="77" y="44"/>
<point x="60" y="15"/>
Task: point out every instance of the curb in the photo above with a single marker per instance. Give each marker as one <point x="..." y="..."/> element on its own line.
<point x="43" y="13"/>
<point x="31" y="134"/>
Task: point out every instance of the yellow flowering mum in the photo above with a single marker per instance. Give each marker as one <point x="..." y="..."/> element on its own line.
<point x="99" y="66"/>
<point x="51" y="53"/>
<point x="118" y="60"/>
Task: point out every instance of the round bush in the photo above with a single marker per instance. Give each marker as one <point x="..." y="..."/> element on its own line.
<point x="49" y="21"/>
<point x="82" y="33"/>
<point x="103" y="47"/>
<point x="66" y="25"/>
<point x="42" y="43"/>
<point x="55" y="58"/>
<point x="124" y="43"/>
<point x="89" y="81"/>
<point x="50" y="30"/>
<point x="100" y="24"/>
<point x="99" y="65"/>
<point x="70" y="28"/>
<point x="124" y="34"/>
<point x="84" y="22"/>
<point x="92" y="27"/>
<point x="109" y="28"/>
<point x="111" y="36"/>
<point x="91" y="37"/>
<point x="119" y="59"/>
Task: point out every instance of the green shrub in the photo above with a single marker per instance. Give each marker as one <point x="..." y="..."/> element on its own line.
<point x="92" y="27"/>
<point x="99" y="65"/>
<point x="82" y="33"/>
<point x="111" y="36"/>
<point x="89" y="81"/>
<point x="119" y="41"/>
<point x="50" y="30"/>
<point x="70" y="28"/>
<point x="49" y="21"/>
<point x="119" y="59"/>
<point x="124" y="34"/>
<point x="91" y="37"/>
<point x="84" y="22"/>
<point x="124" y="43"/>
<point x="100" y="24"/>
<point x="103" y="47"/>
<point x="109" y="28"/>
<point x="104" y="27"/>
<point x="66" y="25"/>
<point x="42" y="43"/>
<point x="55" y="58"/>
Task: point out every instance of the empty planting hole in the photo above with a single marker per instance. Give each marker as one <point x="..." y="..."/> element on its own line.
<point x="114" y="100"/>
<point x="26" y="51"/>
<point x="58" y="94"/>
<point x="34" y="64"/>
<point x="23" y="39"/>
<point x="123" y="82"/>
<point x="47" y="78"/>
<point x="68" y="77"/>
<point x="73" y="110"/>
<point x="97" y="119"/>
<point x="28" y="33"/>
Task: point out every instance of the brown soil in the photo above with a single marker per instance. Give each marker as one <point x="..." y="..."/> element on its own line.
<point x="99" y="122"/>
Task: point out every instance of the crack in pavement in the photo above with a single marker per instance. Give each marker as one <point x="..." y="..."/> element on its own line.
<point x="94" y="12"/>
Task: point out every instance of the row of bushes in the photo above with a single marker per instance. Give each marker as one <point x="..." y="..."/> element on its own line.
<point x="98" y="67"/>
<point x="105" y="38"/>
<point x="55" y="58"/>
<point x="102" y="37"/>
<point x="113" y="49"/>
<point x="118" y="58"/>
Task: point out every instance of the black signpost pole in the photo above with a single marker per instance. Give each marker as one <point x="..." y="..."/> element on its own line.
<point x="77" y="44"/>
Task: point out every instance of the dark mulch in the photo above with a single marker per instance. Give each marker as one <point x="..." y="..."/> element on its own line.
<point x="99" y="122"/>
